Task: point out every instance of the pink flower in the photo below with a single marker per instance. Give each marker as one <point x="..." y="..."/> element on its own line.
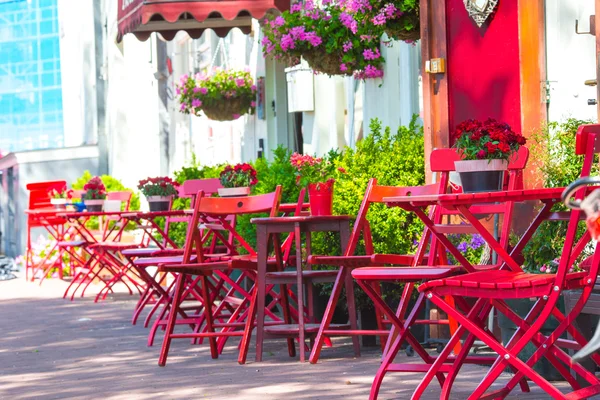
<point x="196" y="89"/>
<point x="543" y="268"/>
<point x="236" y="116"/>
<point x="252" y="104"/>
<point x="347" y="46"/>
<point x="343" y="67"/>
<point x="203" y="90"/>
<point x="240" y="82"/>
<point x="369" y="54"/>
<point x="253" y="88"/>
<point x="196" y="103"/>
<point x="182" y="107"/>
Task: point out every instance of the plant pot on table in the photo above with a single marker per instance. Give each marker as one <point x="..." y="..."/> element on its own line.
<point x="159" y="203"/>
<point x="59" y="204"/>
<point x="234" y="191"/>
<point x="320" y="198"/>
<point x="481" y="175"/>
<point x="94" y="205"/>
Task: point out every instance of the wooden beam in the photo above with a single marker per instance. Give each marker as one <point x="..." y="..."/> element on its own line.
<point x="532" y="54"/>
<point x="435" y="86"/>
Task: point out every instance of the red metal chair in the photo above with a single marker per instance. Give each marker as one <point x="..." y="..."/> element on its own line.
<point x="436" y="267"/>
<point x="39" y="200"/>
<point x="217" y="209"/>
<point x="492" y="288"/>
<point x="442" y="162"/>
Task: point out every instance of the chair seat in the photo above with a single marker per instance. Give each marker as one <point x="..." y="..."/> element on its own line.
<point x="72" y="243"/>
<point x="498" y="284"/>
<point x="291" y="276"/>
<point x="408" y="274"/>
<point x="246" y="262"/>
<point x="114" y="246"/>
<point x="154" y="261"/>
<point x="362" y="261"/>
<point x="141" y="252"/>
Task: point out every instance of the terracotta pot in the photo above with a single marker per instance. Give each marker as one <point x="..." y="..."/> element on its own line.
<point x="481" y="175"/>
<point x="320" y="198"/>
<point x="94" y="205"/>
<point x="159" y="203"/>
<point x="234" y="192"/>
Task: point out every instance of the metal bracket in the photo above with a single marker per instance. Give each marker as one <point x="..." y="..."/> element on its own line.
<point x="592" y="26"/>
<point x="546" y="90"/>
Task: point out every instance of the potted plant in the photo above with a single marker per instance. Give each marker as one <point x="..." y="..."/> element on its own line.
<point x="485" y="148"/>
<point x="237" y="180"/>
<point x="398" y="18"/>
<point x="159" y="192"/>
<point x="225" y="95"/>
<point x="59" y="197"/>
<point x="333" y="38"/>
<point x="95" y="193"/>
<point x="317" y="174"/>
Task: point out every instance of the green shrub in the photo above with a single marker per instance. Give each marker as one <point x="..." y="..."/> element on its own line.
<point x="554" y="148"/>
<point x="395" y="159"/>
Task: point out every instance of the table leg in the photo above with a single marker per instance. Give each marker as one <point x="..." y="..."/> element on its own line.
<point x="299" y="282"/>
<point x="260" y="288"/>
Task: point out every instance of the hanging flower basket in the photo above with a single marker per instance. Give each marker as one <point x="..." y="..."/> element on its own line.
<point x="331" y="37"/>
<point x="406" y="28"/>
<point x="225" y="95"/>
<point x="325" y="63"/>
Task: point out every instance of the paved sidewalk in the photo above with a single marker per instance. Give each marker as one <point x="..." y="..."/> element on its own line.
<point x="52" y="348"/>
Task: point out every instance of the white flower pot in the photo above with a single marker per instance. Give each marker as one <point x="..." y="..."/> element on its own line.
<point x="234" y="192"/>
<point x="481" y="175"/>
<point x="94" y="205"/>
<point x="59" y="204"/>
<point x="159" y="203"/>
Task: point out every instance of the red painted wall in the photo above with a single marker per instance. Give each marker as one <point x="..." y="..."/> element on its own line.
<point x="483" y="65"/>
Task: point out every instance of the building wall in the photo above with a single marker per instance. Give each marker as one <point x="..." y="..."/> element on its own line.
<point x="31" y="112"/>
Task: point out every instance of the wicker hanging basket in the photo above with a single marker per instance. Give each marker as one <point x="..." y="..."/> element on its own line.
<point x="396" y="31"/>
<point x="225" y="110"/>
<point x="325" y="63"/>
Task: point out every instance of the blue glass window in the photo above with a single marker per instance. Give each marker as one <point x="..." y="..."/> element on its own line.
<point x="31" y="111"/>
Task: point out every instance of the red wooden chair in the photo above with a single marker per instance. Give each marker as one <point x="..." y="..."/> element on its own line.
<point x="39" y="200"/>
<point x="492" y="288"/>
<point x="218" y="209"/>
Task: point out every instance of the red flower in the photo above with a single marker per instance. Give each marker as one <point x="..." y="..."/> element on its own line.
<point x="491" y="147"/>
<point x="481" y="154"/>
<point x="503" y="147"/>
<point x="342" y="170"/>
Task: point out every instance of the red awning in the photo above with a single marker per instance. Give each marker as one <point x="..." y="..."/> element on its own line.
<point x="167" y="17"/>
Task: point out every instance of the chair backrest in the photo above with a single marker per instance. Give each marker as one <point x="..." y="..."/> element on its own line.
<point x="38" y="193"/>
<point x="122" y="196"/>
<point x="191" y="187"/>
<point x="221" y="209"/>
<point x="40" y="199"/>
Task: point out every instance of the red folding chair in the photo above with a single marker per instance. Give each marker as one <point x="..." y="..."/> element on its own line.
<point x="55" y="226"/>
<point x="492" y="288"/>
<point x="218" y="210"/>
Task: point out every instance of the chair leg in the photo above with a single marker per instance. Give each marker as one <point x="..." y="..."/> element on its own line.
<point x="164" y="351"/>
<point x="328" y="315"/>
<point x="209" y="317"/>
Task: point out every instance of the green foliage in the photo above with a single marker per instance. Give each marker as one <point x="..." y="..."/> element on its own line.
<point x="395" y="159"/>
<point x="559" y="165"/>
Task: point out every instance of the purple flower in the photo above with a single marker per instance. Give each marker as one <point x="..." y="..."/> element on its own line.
<point x="379" y="19"/>
<point x="197" y="89"/>
<point x="477" y="241"/>
<point x="253" y="88"/>
<point x="287" y="42"/>
<point x="343" y="67"/>
<point x="196" y="103"/>
<point x="349" y="22"/>
<point x="203" y="90"/>
<point x="313" y="39"/>
<point x="369" y="54"/>
<point x="347" y="46"/>
<point x="298" y="33"/>
<point x="296" y="7"/>
<point x="462" y="247"/>
<point x="279" y="21"/>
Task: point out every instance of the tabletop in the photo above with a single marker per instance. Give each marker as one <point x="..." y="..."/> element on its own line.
<point x="300" y="219"/>
<point x="154" y="214"/>
<point x="476" y="198"/>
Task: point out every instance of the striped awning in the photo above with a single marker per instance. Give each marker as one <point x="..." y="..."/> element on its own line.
<point x="167" y="17"/>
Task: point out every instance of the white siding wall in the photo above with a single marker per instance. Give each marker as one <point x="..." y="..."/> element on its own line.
<point x="570" y="59"/>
